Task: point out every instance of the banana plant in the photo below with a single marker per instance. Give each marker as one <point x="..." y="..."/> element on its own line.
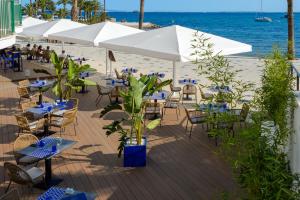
<point x="58" y="84"/>
<point x="134" y="105"/>
<point x="73" y="79"/>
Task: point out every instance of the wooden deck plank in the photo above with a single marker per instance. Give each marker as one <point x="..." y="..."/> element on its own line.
<point x="178" y="167"/>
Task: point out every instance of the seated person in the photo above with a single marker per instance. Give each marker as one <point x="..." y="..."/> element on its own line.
<point x="33" y="52"/>
<point x="63" y="56"/>
<point x="39" y="52"/>
<point x="46" y="55"/>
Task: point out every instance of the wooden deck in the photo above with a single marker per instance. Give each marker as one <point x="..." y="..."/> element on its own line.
<point x="177" y="167"/>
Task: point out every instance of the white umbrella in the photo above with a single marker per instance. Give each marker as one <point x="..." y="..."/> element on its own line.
<point x="94" y="34"/>
<point x="29" y="22"/>
<point x="43" y="30"/>
<point x="172" y="43"/>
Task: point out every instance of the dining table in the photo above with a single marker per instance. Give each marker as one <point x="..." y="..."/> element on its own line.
<point x="44" y="109"/>
<point x="59" y="193"/>
<point x="41" y="85"/>
<point x="116" y="84"/>
<point x="45" y="149"/>
<point x="84" y="75"/>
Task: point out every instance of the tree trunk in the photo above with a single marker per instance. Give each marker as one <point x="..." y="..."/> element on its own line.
<point x="291" y="35"/>
<point x="141" y="20"/>
<point x="104" y="6"/>
<point x="75" y="10"/>
<point x="30" y="9"/>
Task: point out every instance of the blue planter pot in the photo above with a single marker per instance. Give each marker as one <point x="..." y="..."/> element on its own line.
<point x="135" y="155"/>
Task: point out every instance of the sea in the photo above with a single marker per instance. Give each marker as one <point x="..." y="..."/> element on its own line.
<point x="263" y="36"/>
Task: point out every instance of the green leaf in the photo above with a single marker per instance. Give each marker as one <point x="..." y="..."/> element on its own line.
<point x="153" y="124"/>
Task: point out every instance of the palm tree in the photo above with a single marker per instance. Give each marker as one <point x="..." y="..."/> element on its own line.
<point x="74" y="11"/>
<point x="291" y="34"/>
<point x="141" y="19"/>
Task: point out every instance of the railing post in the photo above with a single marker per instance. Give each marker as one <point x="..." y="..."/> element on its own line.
<point x="297" y="82"/>
<point x="12" y="10"/>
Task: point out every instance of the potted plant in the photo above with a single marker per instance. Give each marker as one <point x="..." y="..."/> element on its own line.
<point x="131" y="139"/>
<point x="58" y="84"/>
<point x="73" y="79"/>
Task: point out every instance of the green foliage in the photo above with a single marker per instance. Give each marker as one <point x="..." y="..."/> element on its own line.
<point x="58" y="65"/>
<point x="257" y="150"/>
<point x="73" y="80"/>
<point x="134" y="107"/>
<point x="46" y="16"/>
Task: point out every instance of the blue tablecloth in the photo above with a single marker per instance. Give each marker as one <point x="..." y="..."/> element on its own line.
<point x="40" y="84"/>
<point x="215" y="89"/>
<point x="158" y="74"/>
<point x="45" y="108"/>
<point x="187" y="81"/>
<point x="56" y="193"/>
<point x="129" y="70"/>
<point x="158" y="96"/>
<point x="220" y="108"/>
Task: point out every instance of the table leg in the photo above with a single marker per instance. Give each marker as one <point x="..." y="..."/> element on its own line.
<point x="48" y="171"/>
<point x="40" y="99"/>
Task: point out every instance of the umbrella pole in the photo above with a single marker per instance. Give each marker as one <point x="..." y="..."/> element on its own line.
<point x="174" y="73"/>
<point x="62" y="46"/>
<point x="106" y="63"/>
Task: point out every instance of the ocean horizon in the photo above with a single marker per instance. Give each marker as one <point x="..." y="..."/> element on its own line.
<point x="239" y="26"/>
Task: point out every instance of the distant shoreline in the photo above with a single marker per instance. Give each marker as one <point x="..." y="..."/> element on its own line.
<point x="217" y="12"/>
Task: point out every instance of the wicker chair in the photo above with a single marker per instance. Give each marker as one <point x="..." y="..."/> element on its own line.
<point x="174" y="89"/>
<point x="118" y="75"/>
<point x="102" y="92"/>
<point x="11" y="195"/>
<point x="22" y="176"/>
<point x="59" y="113"/>
<point x="27" y="105"/>
<point x="242" y="114"/>
<point x="29" y="127"/>
<point x="189" y="90"/>
<point x="172" y="103"/>
<point x="194" y="117"/>
<point x="22" y="142"/>
<point x="153" y="109"/>
<point x="24" y="83"/>
<point x="65" y="120"/>
<point x="24" y="93"/>
<point x="205" y="96"/>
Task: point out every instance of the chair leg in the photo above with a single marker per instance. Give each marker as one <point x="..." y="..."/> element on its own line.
<point x="177" y="113"/>
<point x="99" y="100"/>
<point x="8" y="186"/>
<point x="109" y="99"/>
<point x="186" y="126"/>
<point x="191" y="130"/>
<point x="75" y="129"/>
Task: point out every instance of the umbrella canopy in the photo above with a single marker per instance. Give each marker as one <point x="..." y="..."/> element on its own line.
<point x="93" y="34"/>
<point x="29" y="22"/>
<point x="172" y="43"/>
<point x="43" y="30"/>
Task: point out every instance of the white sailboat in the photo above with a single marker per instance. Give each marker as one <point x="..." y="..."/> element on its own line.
<point x="262" y="18"/>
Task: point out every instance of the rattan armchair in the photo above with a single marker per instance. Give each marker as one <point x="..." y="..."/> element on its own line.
<point x="195" y="117"/>
<point x="24" y="93"/>
<point x="68" y="118"/>
<point x="205" y="96"/>
<point x="189" y="90"/>
<point x="22" y="142"/>
<point x="24" y="83"/>
<point x="102" y="92"/>
<point x="27" y="105"/>
<point x="29" y="127"/>
<point x="11" y="195"/>
<point x="241" y="114"/>
<point x="23" y="176"/>
<point x="172" y="103"/>
<point x="174" y="89"/>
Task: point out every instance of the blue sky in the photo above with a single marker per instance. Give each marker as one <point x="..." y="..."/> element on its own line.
<point x="201" y="5"/>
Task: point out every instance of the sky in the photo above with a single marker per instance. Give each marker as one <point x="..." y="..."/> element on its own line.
<point x="201" y="5"/>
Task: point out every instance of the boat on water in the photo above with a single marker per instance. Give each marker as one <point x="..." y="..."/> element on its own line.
<point x="262" y="18"/>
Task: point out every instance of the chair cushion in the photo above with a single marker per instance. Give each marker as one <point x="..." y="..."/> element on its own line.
<point x="59" y="112"/>
<point x="28" y="160"/>
<point x="57" y="122"/>
<point x="35" y="173"/>
<point x="32" y="125"/>
<point x="171" y="104"/>
<point x="197" y="119"/>
<point x="176" y="89"/>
